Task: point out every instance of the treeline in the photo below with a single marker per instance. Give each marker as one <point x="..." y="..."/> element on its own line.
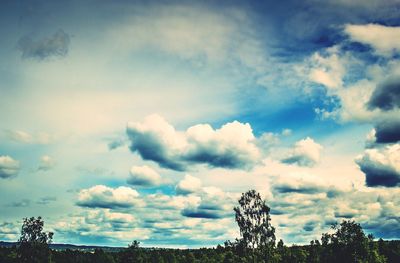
<point x="346" y="243"/>
<point x="388" y="251"/>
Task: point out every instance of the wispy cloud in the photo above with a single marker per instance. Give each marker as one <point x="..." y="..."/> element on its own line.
<point x="56" y="45"/>
<point x="30" y="138"/>
<point x="46" y="163"/>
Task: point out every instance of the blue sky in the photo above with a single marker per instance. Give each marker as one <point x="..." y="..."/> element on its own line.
<point x="146" y="120"/>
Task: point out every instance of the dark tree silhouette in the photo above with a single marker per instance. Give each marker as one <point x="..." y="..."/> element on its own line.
<point x="134" y="245"/>
<point x="33" y="243"/>
<point x="349" y="244"/>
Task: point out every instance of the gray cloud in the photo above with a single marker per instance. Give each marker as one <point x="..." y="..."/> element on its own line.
<point x="304" y="187"/>
<point x="151" y="148"/>
<point x="8" y="167"/>
<point x="211" y="210"/>
<point x="285" y="188"/>
<point x="211" y="156"/>
<point x="56" y="45"/>
<point x="310" y="226"/>
<point x="386" y="95"/>
<point x="381" y="166"/>
<point x="387" y="131"/>
<point x="203" y="213"/>
<point x="379" y="175"/>
<point x="347" y="215"/>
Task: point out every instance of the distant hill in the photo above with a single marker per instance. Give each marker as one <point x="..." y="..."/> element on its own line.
<point x="69" y="246"/>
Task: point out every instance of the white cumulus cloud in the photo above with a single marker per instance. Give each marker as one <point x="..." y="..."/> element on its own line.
<point x="143" y="176"/>
<point x="106" y="197"/>
<point x="188" y="185"/>
<point x="231" y="146"/>
<point x="306" y="152"/>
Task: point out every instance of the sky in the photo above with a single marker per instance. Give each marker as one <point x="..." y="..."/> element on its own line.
<point x="146" y="120"/>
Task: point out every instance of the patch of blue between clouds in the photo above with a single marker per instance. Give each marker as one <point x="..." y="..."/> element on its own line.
<point x="165" y="189"/>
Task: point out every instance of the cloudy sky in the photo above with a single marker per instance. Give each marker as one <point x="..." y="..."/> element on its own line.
<point x="146" y="120"/>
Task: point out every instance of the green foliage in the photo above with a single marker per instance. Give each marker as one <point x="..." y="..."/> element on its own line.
<point x="349" y="244"/>
<point x="254" y="221"/>
<point x="33" y="243"/>
<point x="377" y="252"/>
<point x="134" y="245"/>
<point x="390" y="249"/>
<point x="32" y="231"/>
